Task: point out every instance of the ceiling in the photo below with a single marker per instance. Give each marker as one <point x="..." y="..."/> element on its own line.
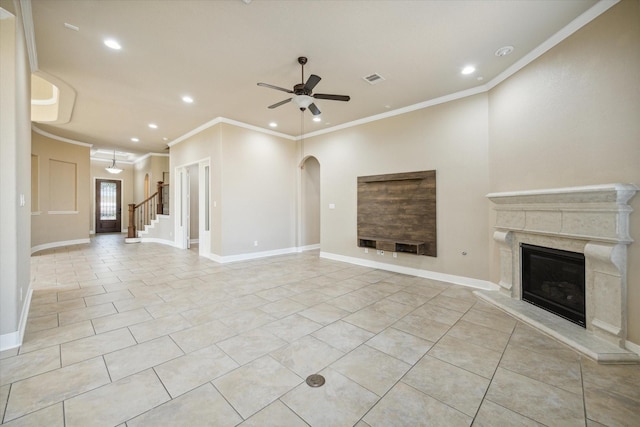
<point x="217" y="51"/>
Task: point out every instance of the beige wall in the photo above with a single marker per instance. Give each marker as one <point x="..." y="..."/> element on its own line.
<point x="204" y="145"/>
<point x="258" y="191"/>
<point x="140" y="169"/>
<point x="451" y="138"/>
<point x="64" y="203"/>
<point x="126" y="189"/>
<point x="572" y="118"/>
<point x="253" y="187"/>
<point x="15" y="180"/>
<point x="154" y="165"/>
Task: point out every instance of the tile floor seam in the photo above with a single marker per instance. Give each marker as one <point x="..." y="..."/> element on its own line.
<point x="584" y="397"/>
<point x="301" y="273"/>
<point x="293" y="410"/>
<point x="484" y="396"/>
<point x="6" y="404"/>
<point x="435" y="398"/>
<point x="511" y="410"/>
<point x="393" y="386"/>
<point x="229" y="403"/>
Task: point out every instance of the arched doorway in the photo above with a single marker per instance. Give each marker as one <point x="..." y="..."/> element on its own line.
<point x="310" y="204"/>
<point x="146" y="186"/>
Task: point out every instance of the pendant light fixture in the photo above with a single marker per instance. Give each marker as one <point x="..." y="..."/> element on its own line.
<point x="113" y="168"/>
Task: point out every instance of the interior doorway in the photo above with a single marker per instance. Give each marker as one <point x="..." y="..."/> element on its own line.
<point x="193" y="207"/>
<point x="108" y="206"/>
<point x="310" y="206"/>
<point x="193" y="214"/>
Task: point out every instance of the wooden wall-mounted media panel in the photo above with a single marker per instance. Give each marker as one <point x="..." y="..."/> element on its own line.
<point x="397" y="212"/>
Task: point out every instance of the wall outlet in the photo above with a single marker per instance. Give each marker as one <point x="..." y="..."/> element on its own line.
<point x="366" y="250"/>
<point x="382" y="253"/>
<point x="395" y="254"/>
<point x="255" y="243"/>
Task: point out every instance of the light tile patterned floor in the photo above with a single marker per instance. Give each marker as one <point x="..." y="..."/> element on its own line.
<point x="149" y="335"/>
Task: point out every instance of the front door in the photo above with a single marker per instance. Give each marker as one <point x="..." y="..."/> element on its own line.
<point x="108" y="208"/>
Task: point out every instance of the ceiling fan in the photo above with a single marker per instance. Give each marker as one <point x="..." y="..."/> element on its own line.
<point x="303" y="94"/>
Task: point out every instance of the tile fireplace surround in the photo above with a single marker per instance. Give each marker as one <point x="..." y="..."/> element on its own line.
<point x="592" y="220"/>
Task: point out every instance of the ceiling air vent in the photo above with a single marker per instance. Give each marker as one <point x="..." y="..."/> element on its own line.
<point x="373" y="79"/>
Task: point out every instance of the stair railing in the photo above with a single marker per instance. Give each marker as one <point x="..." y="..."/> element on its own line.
<point x="146" y="211"/>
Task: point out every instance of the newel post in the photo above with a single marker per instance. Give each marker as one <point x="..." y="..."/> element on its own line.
<point x="132" y="224"/>
<point x="160" y="209"/>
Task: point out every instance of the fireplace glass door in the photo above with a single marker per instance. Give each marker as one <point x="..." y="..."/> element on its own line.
<point x="554" y="280"/>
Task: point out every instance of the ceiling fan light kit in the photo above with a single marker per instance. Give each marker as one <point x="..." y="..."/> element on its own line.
<point x="303" y="95"/>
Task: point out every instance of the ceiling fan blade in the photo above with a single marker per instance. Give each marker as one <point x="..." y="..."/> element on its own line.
<point x="277" y="104"/>
<point x="312" y="81"/>
<point x="314" y="109"/>
<point x="331" y="97"/>
<point x="275" y="87"/>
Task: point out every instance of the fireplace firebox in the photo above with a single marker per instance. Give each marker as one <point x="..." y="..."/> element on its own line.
<point x="554" y="280"/>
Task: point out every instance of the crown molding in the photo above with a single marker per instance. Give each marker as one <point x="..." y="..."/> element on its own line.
<point x="146" y="156"/>
<point x="596" y="10"/>
<point x="419" y="106"/>
<point x="100" y="159"/>
<point x="573" y="26"/>
<point x="219" y="120"/>
<point x="59" y="138"/>
<point x="579" y="22"/>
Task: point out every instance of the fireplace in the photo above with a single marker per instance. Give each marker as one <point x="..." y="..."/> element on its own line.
<point x="590" y="222"/>
<point x="554" y="280"/>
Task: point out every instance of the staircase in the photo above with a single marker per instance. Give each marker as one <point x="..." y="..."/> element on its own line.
<point x="145" y="214"/>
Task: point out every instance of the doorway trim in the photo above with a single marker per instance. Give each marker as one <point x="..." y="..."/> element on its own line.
<point x="301" y="206"/>
<point x="181" y="209"/>
<point x="123" y="228"/>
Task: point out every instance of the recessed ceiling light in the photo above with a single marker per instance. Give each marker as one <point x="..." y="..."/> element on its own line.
<point x="165" y="138"/>
<point x="469" y="69"/>
<point x="113" y="44"/>
<point x="480" y="78"/>
<point x="273" y="124"/>
<point x="153" y="126"/>
<point x="134" y="139"/>
<point x="317" y="119"/>
<point x="504" y="51"/>
<point x="187" y="99"/>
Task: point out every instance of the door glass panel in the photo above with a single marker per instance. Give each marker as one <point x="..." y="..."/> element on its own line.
<point x="108" y="202"/>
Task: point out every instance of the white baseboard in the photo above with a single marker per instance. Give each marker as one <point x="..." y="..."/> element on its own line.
<point x="14" y="339"/>
<point x="51" y="245"/>
<point x="632" y="347"/>
<point x="156" y="240"/>
<point x="250" y="256"/>
<point x="309" y="247"/>
<point x="434" y="275"/>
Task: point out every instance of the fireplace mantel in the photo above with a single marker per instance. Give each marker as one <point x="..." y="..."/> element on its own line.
<point x="593" y="220"/>
<point x="594" y="213"/>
